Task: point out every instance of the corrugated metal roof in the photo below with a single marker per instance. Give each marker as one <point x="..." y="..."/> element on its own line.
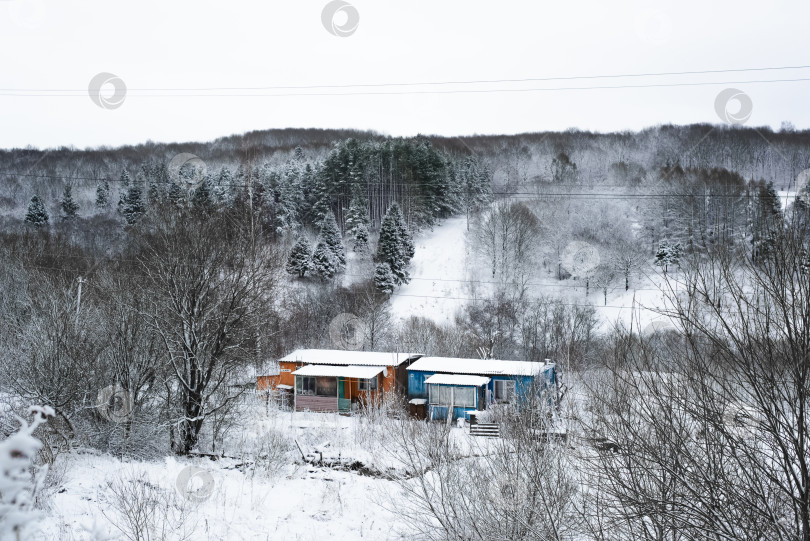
<point x="348" y="357"/>
<point x="455" y="379"/>
<point x="492" y="367"/>
<point x="360" y="372"/>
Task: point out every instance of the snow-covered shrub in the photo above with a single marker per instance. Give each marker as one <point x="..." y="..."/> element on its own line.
<point x="270" y="453"/>
<point x="143" y="510"/>
<point x="375" y="418"/>
<point x="19" y="478"/>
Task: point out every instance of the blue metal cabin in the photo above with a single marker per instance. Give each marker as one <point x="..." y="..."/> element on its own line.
<point x="507" y="382"/>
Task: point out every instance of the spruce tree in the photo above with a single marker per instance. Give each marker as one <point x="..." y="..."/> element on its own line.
<point x="330" y="236"/>
<point x="131" y="205"/>
<point x="36" y="215"/>
<point x="360" y="239"/>
<point x="662" y="255"/>
<point x="202" y="200"/>
<point x="323" y="262"/>
<point x="394" y="246"/>
<point x="321" y="198"/>
<point x="153" y="194"/>
<point x="405" y="239"/>
<point x="668" y="254"/>
<point x="300" y="259"/>
<point x="298" y="154"/>
<point x="70" y="208"/>
<point x="103" y="196"/>
<point x="224" y="183"/>
<point x="384" y="279"/>
<point x="357" y="216"/>
<point x="175" y="195"/>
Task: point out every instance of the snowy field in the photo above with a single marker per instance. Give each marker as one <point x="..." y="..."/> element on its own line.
<point x="439" y="273"/>
<point x="281" y="498"/>
<point x="444" y="276"/>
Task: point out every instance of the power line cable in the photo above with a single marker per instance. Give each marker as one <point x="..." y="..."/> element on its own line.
<point x="430" y="83"/>
<point x="418" y="92"/>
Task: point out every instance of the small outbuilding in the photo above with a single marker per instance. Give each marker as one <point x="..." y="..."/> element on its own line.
<point x="334" y="380"/>
<point x="466" y="385"/>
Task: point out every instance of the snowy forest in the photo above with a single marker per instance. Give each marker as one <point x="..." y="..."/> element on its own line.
<point x="666" y="272"/>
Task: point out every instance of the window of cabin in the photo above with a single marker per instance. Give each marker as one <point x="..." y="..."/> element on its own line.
<point x="503" y="390"/>
<point x="326" y="386"/>
<point x="316" y="385"/>
<point x="443" y="395"/>
<point x="305" y="385"/>
<point x="367" y="384"/>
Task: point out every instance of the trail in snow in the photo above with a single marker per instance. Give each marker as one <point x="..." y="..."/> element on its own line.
<point x="441" y="270"/>
<point x="439" y="260"/>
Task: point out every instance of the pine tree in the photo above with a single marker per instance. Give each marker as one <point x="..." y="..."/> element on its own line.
<point x="289" y="198"/>
<point x="36" y="215"/>
<point x="384" y="279"/>
<point x="300" y="259"/>
<point x="321" y="198"/>
<point x="201" y="200"/>
<point x="395" y="246"/>
<point x="153" y="194"/>
<point x="298" y="154"/>
<point x="323" y="262"/>
<point x="222" y="186"/>
<point x="103" y="196"/>
<point x="175" y="195"/>
<point x="662" y="255"/>
<point x="131" y="204"/>
<point x="330" y="236"/>
<point x="70" y="208"/>
<point x="357" y="216"/>
<point x="405" y="239"/>
<point x="360" y="239"/>
<point x="668" y="254"/>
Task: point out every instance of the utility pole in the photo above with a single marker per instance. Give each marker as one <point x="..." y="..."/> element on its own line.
<point x="79" y="298"/>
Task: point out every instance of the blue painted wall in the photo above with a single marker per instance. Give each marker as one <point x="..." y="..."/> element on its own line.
<point x="418" y="389"/>
<point x="416" y="384"/>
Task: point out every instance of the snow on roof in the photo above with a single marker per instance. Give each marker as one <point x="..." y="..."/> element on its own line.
<point x="360" y="372"/>
<point x="491" y="367"/>
<point x="454" y="379"/>
<point x="417" y="401"/>
<point x="347" y="357"/>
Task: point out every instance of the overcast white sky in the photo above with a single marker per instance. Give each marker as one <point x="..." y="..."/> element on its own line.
<point x="171" y="44"/>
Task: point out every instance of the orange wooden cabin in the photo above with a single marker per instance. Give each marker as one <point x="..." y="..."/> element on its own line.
<point x="334" y="380"/>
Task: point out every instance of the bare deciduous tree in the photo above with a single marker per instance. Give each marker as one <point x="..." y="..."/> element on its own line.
<point x="212" y="289"/>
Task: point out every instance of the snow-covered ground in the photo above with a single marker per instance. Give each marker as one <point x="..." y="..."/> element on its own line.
<point x="438" y="274"/>
<point x="286" y="500"/>
<point x="442" y="270"/>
